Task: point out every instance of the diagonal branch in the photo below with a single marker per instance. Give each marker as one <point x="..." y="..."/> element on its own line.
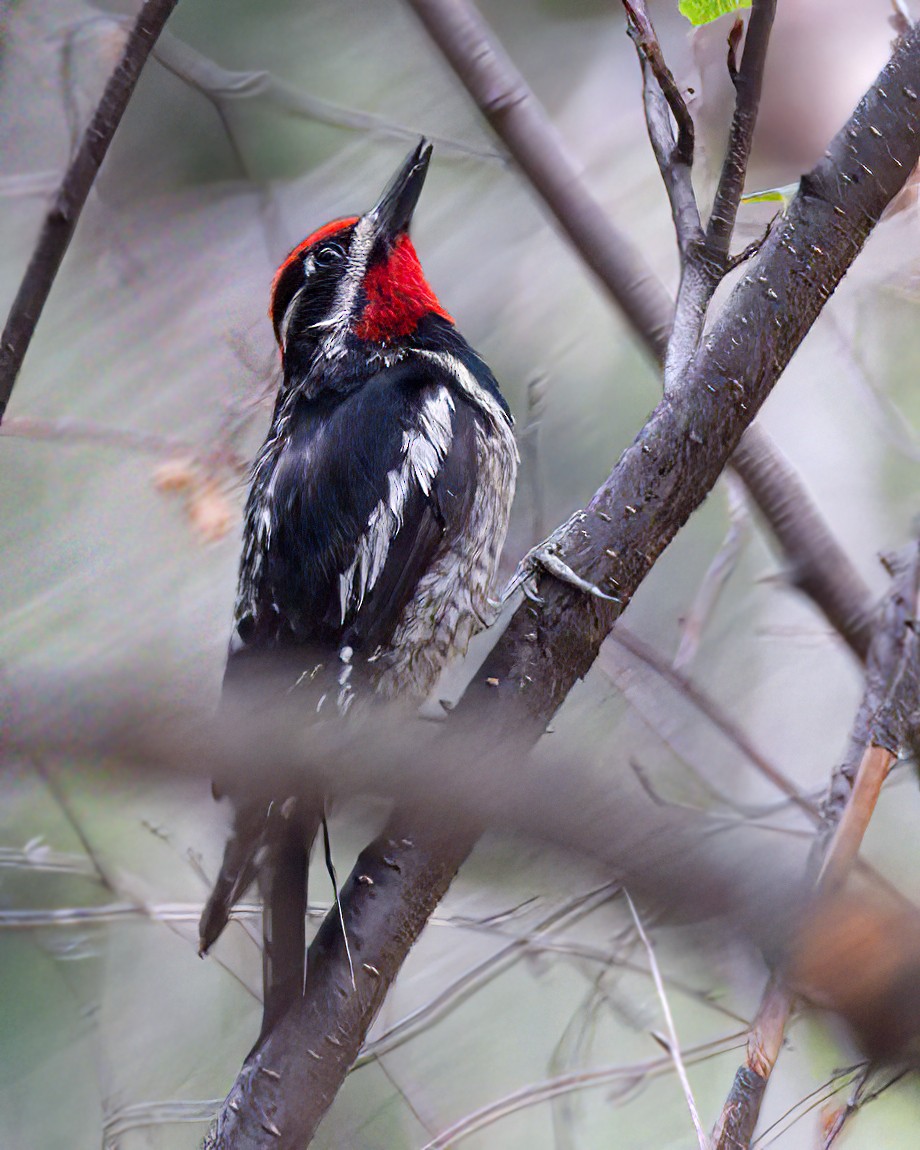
<point x="64" y="213"/>
<point x="673" y="1040"/>
<point x="673" y="463"/>
<point x="815" y="561"/>
<point x="223" y="87"/>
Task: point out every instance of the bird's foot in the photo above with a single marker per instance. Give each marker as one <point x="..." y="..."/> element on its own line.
<point x="547" y="557"/>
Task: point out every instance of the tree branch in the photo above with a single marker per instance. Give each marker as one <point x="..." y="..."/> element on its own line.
<point x="673" y="1040"/>
<point x="705" y="262"/>
<point x="292" y="1075"/>
<point x="748" y="81"/>
<point x="663" y="99"/>
<point x="61" y="220"/>
<point x="223" y="87"/>
<point x="885" y="724"/>
<point x="673" y="463"/>
<point x="815" y="562"/>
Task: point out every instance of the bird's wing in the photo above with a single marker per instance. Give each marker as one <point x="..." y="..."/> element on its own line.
<point x="372" y="496"/>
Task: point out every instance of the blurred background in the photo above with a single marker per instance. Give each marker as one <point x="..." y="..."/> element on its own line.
<point x="122" y="474"/>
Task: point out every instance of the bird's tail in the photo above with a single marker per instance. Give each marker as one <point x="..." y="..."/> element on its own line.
<point x="271" y="842"/>
<point x="237" y="871"/>
<point x="289" y="836"/>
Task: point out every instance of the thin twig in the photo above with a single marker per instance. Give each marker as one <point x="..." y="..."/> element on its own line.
<point x="643" y="35"/>
<point x="748" y="83"/>
<point x="717" y="574"/>
<point x="806" y="1106"/>
<point x="61" y="220"/>
<point x="663" y="99"/>
<point x="223" y="87"/>
<point x="859" y="1098"/>
<point x="539" y="1092"/>
<point x="713" y="712"/>
<point x="673" y="1040"/>
<point x="816" y="564"/>
<point x="472" y="980"/>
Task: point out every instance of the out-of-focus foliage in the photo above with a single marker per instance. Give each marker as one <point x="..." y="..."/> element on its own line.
<point x="119" y="539"/>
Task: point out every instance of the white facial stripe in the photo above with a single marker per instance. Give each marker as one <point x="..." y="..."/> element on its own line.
<point x="339" y="319"/>
<point x="425" y="448"/>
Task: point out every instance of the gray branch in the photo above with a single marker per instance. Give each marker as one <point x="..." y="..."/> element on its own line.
<point x="64" y="213"/>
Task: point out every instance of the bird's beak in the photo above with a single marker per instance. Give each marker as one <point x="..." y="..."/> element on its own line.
<point x="392" y="213"/>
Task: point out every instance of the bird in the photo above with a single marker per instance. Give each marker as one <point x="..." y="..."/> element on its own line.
<point x="377" y="510"/>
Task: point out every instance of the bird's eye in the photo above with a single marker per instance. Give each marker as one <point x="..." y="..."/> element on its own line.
<point x="328" y="255"/>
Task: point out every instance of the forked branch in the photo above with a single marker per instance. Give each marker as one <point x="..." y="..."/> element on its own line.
<point x="663" y="99"/>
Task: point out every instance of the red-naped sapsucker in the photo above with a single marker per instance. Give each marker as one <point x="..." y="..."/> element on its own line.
<point x="378" y="507"/>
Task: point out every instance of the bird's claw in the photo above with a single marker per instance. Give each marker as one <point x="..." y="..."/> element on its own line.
<point x="546" y="557"/>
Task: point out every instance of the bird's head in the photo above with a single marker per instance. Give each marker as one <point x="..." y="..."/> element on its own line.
<point x="356" y="284"/>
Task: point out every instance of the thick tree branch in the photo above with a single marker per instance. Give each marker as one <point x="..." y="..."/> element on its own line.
<point x="291" y="1077"/>
<point x="678" y="455"/>
<point x="61" y="220"/>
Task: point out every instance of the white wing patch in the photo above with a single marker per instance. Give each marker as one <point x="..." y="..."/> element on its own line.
<point x="258" y="531"/>
<point x="468" y="384"/>
<point x="451" y="600"/>
<point x="424" y="449"/>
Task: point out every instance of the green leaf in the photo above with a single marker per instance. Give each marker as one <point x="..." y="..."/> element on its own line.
<point x="783" y="195"/>
<point x="703" y="11"/>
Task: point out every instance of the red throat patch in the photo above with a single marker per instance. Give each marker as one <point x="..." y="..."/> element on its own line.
<point x="398" y="295"/>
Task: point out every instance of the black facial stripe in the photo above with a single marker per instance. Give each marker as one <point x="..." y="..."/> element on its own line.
<point x="289" y="283"/>
<point x="293" y="275"/>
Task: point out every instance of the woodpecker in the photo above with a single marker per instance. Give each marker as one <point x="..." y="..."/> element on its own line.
<point x="378" y="506"/>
